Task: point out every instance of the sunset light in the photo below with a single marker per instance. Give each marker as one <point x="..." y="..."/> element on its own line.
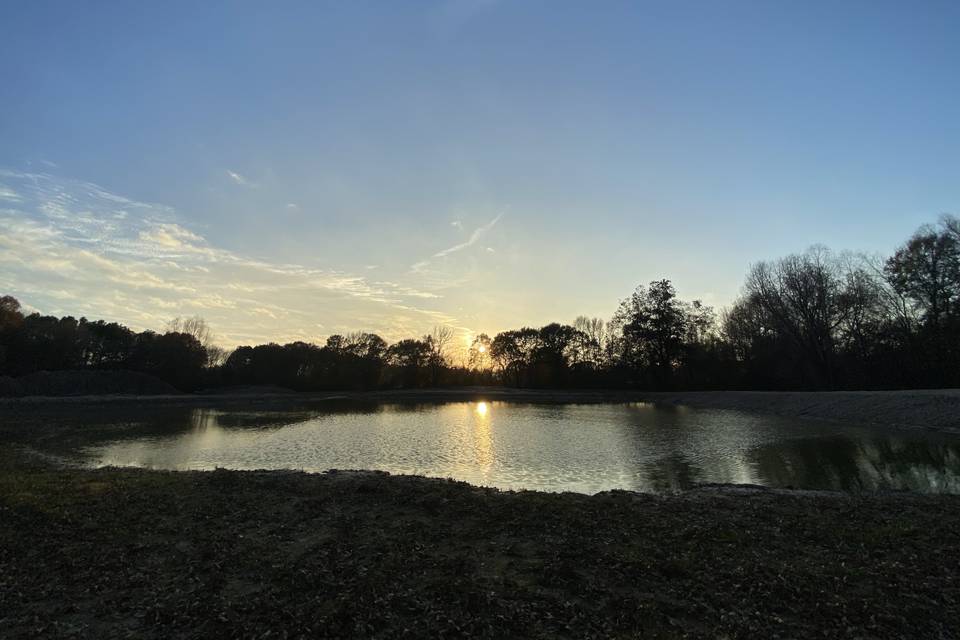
<point x="259" y="261"/>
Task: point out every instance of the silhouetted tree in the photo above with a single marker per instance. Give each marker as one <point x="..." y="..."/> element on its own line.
<point x="926" y="272"/>
<point x="512" y="352"/>
<point x="652" y="324"/>
<point x="596" y="331"/>
<point x="558" y="346"/>
<point x="813" y="320"/>
<point x="438" y="342"/>
<point x="177" y="358"/>
<point x="199" y="329"/>
<point x="105" y="345"/>
<point x="11" y="320"/>
<point x="10" y="315"/>
<point x="194" y="326"/>
<point x="364" y="355"/>
<point x="805" y="299"/>
<point x="409" y="358"/>
<point x="44" y="343"/>
<point x="352" y="361"/>
<point x="479" y="355"/>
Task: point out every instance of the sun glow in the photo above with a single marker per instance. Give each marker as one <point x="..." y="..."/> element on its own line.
<point x="482" y="349"/>
<point x="482" y="439"/>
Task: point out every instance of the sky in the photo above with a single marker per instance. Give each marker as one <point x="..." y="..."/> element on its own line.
<point x="290" y="170"/>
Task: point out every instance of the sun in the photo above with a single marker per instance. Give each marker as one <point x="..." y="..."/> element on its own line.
<point x="482" y="349"/>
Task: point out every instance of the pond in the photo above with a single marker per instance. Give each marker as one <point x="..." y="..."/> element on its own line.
<point x="584" y="448"/>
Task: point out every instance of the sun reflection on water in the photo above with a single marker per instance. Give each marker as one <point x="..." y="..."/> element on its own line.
<point x="584" y="448"/>
<point x="482" y="440"/>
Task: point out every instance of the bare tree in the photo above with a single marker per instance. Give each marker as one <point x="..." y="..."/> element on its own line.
<point x="701" y="322"/>
<point x="596" y="331"/>
<point x="479" y="357"/>
<point x="951" y="224"/>
<point x="438" y="342"/>
<point x="194" y="326"/>
<point x="804" y="297"/>
<point x="217" y="355"/>
<point x="896" y="306"/>
<point x="198" y="328"/>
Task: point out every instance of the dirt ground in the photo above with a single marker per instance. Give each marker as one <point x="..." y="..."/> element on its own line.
<point x="118" y="553"/>
<point x="125" y="553"/>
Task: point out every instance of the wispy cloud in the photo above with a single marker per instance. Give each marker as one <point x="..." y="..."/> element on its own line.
<point x="171" y="236"/>
<point x="239" y="179"/>
<point x="9" y="194"/>
<point x="474" y="238"/>
<point x="68" y="246"/>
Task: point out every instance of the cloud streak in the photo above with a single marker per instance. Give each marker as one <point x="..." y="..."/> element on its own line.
<point x="239" y="179"/>
<point x="68" y="246"/>
<point x="474" y="238"/>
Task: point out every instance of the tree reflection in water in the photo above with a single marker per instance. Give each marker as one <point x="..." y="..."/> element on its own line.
<point x="584" y="448"/>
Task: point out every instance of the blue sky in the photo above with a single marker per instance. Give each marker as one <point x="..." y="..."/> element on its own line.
<point x="289" y="170"/>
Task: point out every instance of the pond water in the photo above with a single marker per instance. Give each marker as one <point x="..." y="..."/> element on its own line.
<point x="583" y="448"/>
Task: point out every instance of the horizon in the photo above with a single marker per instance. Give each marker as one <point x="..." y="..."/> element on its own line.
<point x="486" y="318"/>
<point x="288" y="175"/>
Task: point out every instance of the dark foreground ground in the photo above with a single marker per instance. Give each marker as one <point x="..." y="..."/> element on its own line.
<point x="128" y="553"/>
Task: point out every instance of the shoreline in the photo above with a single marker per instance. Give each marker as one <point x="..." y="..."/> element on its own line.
<point x="360" y="553"/>
<point x="347" y="554"/>
<point x="936" y="409"/>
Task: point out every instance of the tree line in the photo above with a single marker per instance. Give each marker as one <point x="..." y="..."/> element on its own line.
<point x="815" y="320"/>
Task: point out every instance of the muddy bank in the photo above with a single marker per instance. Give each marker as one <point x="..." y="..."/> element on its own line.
<point x="130" y="553"/>
<point x="932" y="409"/>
